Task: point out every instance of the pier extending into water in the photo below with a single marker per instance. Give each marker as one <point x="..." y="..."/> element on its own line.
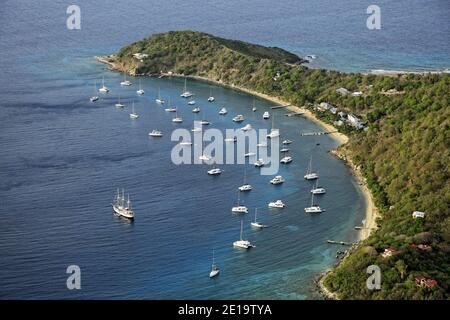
<point x="279" y="107"/>
<point x="317" y="133"/>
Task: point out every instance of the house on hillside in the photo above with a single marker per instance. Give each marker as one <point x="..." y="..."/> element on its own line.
<point x="389" y="252"/>
<point x="355" y="122"/>
<point x="421" y="281"/>
<point x="418" y="214"/>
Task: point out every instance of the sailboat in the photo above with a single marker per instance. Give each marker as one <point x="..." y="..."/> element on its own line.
<point x="191" y="102"/>
<point x="133" y="115"/>
<point x="118" y="104"/>
<point x="273" y="132"/>
<point x="203" y="157"/>
<point x="314" y="208"/>
<point x="177" y="119"/>
<point x="266" y="115"/>
<point x="214" y="171"/>
<point x="122" y="207"/>
<point x="140" y="91"/>
<point x="239" y="208"/>
<point x="159" y="99"/>
<point x="186" y="93"/>
<point x="211" y="97"/>
<point x="103" y="89"/>
<point x="125" y="82"/>
<point x="317" y="189"/>
<point x="310" y="175"/>
<point x="196" y="110"/>
<point x="214" y="269"/>
<point x="256" y="224"/>
<point x="94" y="98"/>
<point x="254" y="106"/>
<point x="286" y="159"/>
<point x="223" y="111"/>
<point x="245" y="186"/>
<point x="170" y="108"/>
<point x="241" y="243"/>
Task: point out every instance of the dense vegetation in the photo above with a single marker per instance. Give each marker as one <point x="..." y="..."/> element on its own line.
<point x="404" y="152"/>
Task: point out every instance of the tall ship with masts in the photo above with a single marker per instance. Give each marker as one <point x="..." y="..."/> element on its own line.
<point x="123" y="207"/>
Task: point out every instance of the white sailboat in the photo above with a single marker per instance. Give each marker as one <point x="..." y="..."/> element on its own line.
<point x="186" y="93"/>
<point x="266" y="115"/>
<point x="191" y="102"/>
<point x="276" y="204"/>
<point x="286" y="159"/>
<point x="119" y="104"/>
<point x="238" y="118"/>
<point x="277" y="180"/>
<point x="133" y="115"/>
<point x="314" y="208"/>
<point x="125" y="82"/>
<point x="177" y="118"/>
<point x="103" y="89"/>
<point x="140" y="91"/>
<point x="170" y="108"/>
<point x="95" y="97"/>
<point x="214" y="269"/>
<point x="317" y="189"/>
<point x="273" y="132"/>
<point x="211" y="97"/>
<point x="241" y="243"/>
<point x="223" y="111"/>
<point x="214" y="171"/>
<point x="310" y="175"/>
<point x="121" y="207"/>
<point x="259" y="163"/>
<point x="245" y="186"/>
<point x="256" y="224"/>
<point x="155" y="133"/>
<point x="196" y="110"/>
<point x="238" y="208"/>
<point x="254" y="106"/>
<point x="247" y="127"/>
<point x="159" y="100"/>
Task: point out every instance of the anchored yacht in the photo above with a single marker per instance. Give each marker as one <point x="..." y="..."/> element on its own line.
<point x="310" y="175"/>
<point x="277" y="204"/>
<point x="277" y="180"/>
<point x="122" y="207"/>
<point x="241" y="243"/>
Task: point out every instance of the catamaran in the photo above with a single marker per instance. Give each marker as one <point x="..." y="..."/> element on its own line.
<point x="191" y="102"/>
<point x="159" y="100"/>
<point x="223" y="111"/>
<point x="287" y="141"/>
<point x="233" y="139"/>
<point x="186" y="93"/>
<point x="245" y="186"/>
<point x="276" y="205"/>
<point x="155" y="133"/>
<point x="273" y="132"/>
<point x="215" y="171"/>
<point x="239" y="208"/>
<point x="133" y="115"/>
<point x="170" y="108"/>
<point x="125" y="82"/>
<point x="266" y="115"/>
<point x="103" y="89"/>
<point x="211" y="98"/>
<point x="238" y="118"/>
<point x="254" y="106"/>
<point x="256" y="224"/>
<point x="314" y="208"/>
<point x="286" y="159"/>
<point x="259" y="163"/>
<point x="247" y="127"/>
<point x="94" y="98"/>
<point x="214" y="269"/>
<point x="310" y="175"/>
<point x="196" y="110"/>
<point x="118" y="104"/>
<point x="277" y="180"/>
<point x="122" y="207"/>
<point x="241" y="243"/>
<point x="177" y="119"/>
<point x="317" y="189"/>
<point x="140" y="91"/>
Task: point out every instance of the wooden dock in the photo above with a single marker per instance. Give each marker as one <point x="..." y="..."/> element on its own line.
<point x="279" y="107"/>
<point x="319" y="133"/>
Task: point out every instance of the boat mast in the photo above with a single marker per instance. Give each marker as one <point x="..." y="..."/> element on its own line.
<point x="242" y="226"/>
<point x="256" y="212"/>
<point x="123" y="197"/>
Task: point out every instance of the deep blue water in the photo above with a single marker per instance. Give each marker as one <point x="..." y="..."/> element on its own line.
<point x="63" y="157"/>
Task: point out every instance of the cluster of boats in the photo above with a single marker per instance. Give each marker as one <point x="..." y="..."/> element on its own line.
<point x="122" y="207"/>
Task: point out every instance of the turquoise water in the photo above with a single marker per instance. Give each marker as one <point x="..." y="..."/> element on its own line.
<point x="63" y="157"/>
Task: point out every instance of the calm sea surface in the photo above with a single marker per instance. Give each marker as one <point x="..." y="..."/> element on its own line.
<point x="63" y="157"/>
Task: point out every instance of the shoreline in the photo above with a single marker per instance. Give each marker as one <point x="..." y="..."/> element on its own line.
<point x="371" y="211"/>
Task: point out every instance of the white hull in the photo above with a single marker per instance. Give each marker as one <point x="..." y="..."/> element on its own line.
<point x="134" y="116"/>
<point x="318" y="191"/>
<point x="314" y="209"/>
<point x="125" y="83"/>
<point x="123" y="212"/>
<point x="245" y="187"/>
<point x="243" y="244"/>
<point x="311" y="176"/>
<point x="258" y="225"/>
<point x="140" y="92"/>
<point x="240" y="209"/>
<point x="214" y="273"/>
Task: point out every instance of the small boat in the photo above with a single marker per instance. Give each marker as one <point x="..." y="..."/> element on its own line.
<point x="133" y="115"/>
<point x="121" y="207"/>
<point x="214" y="171"/>
<point x="254" y="106"/>
<point x="256" y="224"/>
<point x="247" y="127"/>
<point x="211" y="98"/>
<point x="170" y="108"/>
<point x="177" y="119"/>
<point x="191" y="102"/>
<point x="266" y="115"/>
<point x="285" y="150"/>
<point x="262" y="145"/>
<point x="277" y="204"/>
<point x="287" y="141"/>
<point x="214" y="269"/>
<point x="196" y="129"/>
<point x="277" y="180"/>
<point x="118" y="104"/>
<point x="159" y="100"/>
<point x="241" y="243"/>
<point x="234" y="139"/>
<point x="196" y="110"/>
<point x="239" y="208"/>
<point x="249" y="154"/>
<point x="125" y="82"/>
<point x="103" y="89"/>
<point x="310" y="175"/>
<point x="223" y="111"/>
<point x="286" y="160"/>
<point x="273" y="132"/>
<point x="245" y="187"/>
<point x="238" y="118"/>
<point x="317" y="189"/>
<point x="140" y="91"/>
<point x="205" y="122"/>
<point x="186" y="93"/>
<point x="155" y="133"/>
<point x="204" y="157"/>
<point x="314" y="208"/>
<point x="186" y="143"/>
<point x="259" y="163"/>
<point x="95" y="97"/>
